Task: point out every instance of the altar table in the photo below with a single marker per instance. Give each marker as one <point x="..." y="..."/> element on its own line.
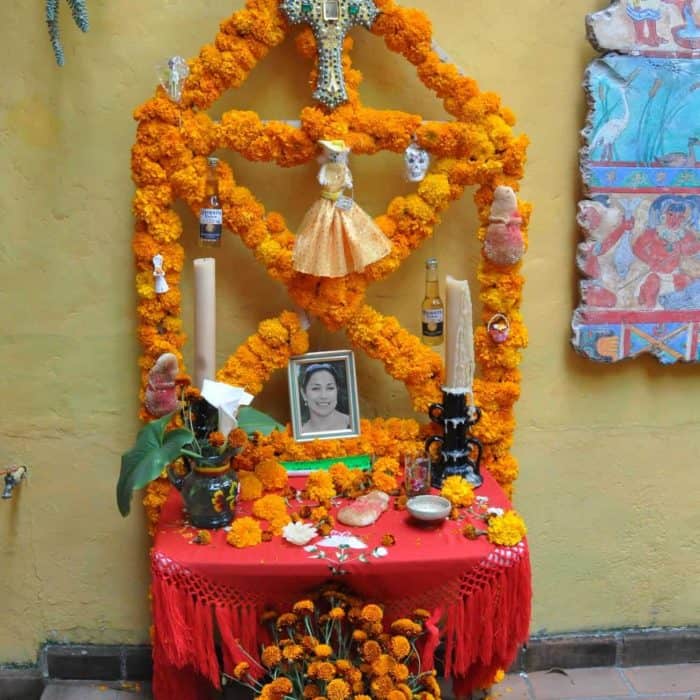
<point x="204" y="594"/>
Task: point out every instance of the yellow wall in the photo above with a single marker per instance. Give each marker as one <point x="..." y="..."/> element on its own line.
<point x="608" y="453"/>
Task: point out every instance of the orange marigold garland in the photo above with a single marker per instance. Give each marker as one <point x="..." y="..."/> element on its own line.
<point x="478" y="148"/>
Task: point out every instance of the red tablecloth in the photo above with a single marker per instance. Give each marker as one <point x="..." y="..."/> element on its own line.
<point x="481" y="592"/>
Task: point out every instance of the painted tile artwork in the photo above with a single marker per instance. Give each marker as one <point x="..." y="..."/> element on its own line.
<point x="641" y="170"/>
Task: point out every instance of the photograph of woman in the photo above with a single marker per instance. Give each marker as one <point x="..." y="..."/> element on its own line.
<point x="323" y="394"/>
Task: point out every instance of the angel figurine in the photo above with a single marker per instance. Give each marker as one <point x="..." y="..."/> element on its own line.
<point x="337" y="236"/>
<point x="161" y="284"/>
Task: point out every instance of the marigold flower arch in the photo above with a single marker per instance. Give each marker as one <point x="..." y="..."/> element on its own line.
<point x="477" y="149"/>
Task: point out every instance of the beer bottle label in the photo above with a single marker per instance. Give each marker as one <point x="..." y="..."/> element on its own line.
<point x="433" y="323"/>
<point x="210" y="223"/>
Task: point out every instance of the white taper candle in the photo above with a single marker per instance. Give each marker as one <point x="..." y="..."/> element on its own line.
<point x="204" y="320"/>
<point x="459" y="337"/>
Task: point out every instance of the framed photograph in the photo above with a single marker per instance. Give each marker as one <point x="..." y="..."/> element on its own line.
<point x="323" y="396"/>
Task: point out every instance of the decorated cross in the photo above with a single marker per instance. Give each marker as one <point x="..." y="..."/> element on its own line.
<point x="330" y="21"/>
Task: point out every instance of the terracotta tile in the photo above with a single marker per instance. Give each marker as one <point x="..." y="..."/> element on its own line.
<point x="679" y="678"/>
<point x="579" y="683"/>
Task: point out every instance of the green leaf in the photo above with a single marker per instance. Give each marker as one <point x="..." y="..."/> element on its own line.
<point x="153" y="451"/>
<point x="254" y="421"/>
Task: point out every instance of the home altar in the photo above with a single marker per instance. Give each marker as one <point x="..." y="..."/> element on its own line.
<point x="478" y="593"/>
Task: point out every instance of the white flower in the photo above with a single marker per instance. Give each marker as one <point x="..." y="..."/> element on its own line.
<point x="342" y="539"/>
<point x="498" y="512"/>
<point x="380" y="552"/>
<point x="299" y="533"/>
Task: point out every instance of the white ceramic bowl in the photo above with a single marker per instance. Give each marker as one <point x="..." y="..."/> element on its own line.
<point x="429" y="508"/>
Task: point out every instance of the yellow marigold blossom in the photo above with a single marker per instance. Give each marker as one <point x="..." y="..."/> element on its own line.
<point x="457" y="491"/>
<point x="406" y="627"/>
<point x="250" y="487"/>
<point x="384" y="482"/>
<point x="272" y="474"/>
<point x="319" y="486"/>
<point x="507" y="529"/>
<point x="271" y="656"/>
<point x="281" y="686"/>
<point x="244" y="532"/>
<point x="323" y="651"/>
<point x="216" y="439"/>
<point x="407" y="692"/>
<point x="390" y="465"/>
<point x="304" y="607"/>
<point x="371" y="650"/>
<point x="498" y="676"/>
<point x="241" y="670"/>
<point x="382" y="665"/>
<point x="359" y="635"/>
<point x="286" y="620"/>
<point x="342" y="476"/>
<point x="400" y="647"/>
<point x="337" y="689"/>
<point x="203" y="537"/>
<point x="336" y="613"/>
<point x="270" y="507"/>
<point x="326" y="671"/>
<point x="371" y="613"/>
<point x="381" y="687"/>
<point x="293" y="652"/>
<point x="400" y="672"/>
<point x="318" y="514"/>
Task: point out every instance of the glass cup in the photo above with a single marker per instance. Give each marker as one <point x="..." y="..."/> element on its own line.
<point x="417" y="474"/>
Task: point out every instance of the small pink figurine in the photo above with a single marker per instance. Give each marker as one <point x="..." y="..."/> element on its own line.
<point x="499" y="328"/>
<point x="161" y="391"/>
<point x="504" y="243"/>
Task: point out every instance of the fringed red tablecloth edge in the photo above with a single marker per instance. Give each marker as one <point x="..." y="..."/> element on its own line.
<point x="482" y="633"/>
<point x="486" y="626"/>
<point x="184" y="651"/>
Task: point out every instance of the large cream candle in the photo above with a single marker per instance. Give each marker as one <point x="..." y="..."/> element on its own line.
<point x="204" y="320"/>
<point x="459" y="337"/>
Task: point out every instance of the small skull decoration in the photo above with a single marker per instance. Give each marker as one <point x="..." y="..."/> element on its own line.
<point x="416" y="161"/>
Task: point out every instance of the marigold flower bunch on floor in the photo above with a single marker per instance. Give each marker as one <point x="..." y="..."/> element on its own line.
<point x="334" y="646"/>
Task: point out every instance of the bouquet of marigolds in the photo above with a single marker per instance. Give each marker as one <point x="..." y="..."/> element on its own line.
<point x="332" y="646"/>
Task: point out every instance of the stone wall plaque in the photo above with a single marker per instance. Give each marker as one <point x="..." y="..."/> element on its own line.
<point x="640" y="256"/>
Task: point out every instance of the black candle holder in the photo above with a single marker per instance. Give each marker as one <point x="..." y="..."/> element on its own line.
<point x="460" y="453"/>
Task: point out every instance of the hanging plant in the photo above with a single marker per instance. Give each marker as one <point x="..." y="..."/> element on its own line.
<point x="78" y="10"/>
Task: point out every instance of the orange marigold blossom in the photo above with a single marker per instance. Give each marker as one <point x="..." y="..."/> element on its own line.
<point x="406" y="627"/>
<point x="271" y="656"/>
<point x="244" y="532"/>
<point x="400" y="647"/>
<point x="323" y="651"/>
<point x="337" y="689"/>
<point x="371" y="613"/>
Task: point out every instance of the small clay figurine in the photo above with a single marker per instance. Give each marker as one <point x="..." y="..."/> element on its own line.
<point x="161" y="391"/>
<point x="337" y="236"/>
<point x="504" y="243"/>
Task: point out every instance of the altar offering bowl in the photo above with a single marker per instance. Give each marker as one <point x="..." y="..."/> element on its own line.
<point x="429" y="508"/>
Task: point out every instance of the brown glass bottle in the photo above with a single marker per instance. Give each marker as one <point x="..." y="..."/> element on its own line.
<point x="433" y="311"/>
<point x="211" y="216"/>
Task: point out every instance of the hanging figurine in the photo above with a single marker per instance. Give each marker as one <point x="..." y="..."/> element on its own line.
<point x="336" y="236"/>
<point x="161" y="391"/>
<point x="161" y="284"/>
<point x="504" y="244"/>
<point x="172" y="76"/>
<point x="416" y="161"/>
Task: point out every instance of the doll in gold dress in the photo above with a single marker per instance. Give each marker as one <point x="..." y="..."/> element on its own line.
<point x="337" y="236"/>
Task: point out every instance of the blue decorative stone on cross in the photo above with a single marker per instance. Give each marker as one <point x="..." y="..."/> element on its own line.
<point x="330" y="21"/>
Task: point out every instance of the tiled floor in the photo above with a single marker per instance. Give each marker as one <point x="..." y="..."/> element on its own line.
<point x="679" y="682"/>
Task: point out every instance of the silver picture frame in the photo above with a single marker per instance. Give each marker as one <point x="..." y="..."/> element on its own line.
<point x="323" y="396"/>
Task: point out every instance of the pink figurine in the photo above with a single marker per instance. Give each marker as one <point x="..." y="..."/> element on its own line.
<point x="161" y="391"/>
<point x="504" y="243"/>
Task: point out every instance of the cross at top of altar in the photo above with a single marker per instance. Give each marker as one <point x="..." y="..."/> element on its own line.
<point x="330" y="21"/>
